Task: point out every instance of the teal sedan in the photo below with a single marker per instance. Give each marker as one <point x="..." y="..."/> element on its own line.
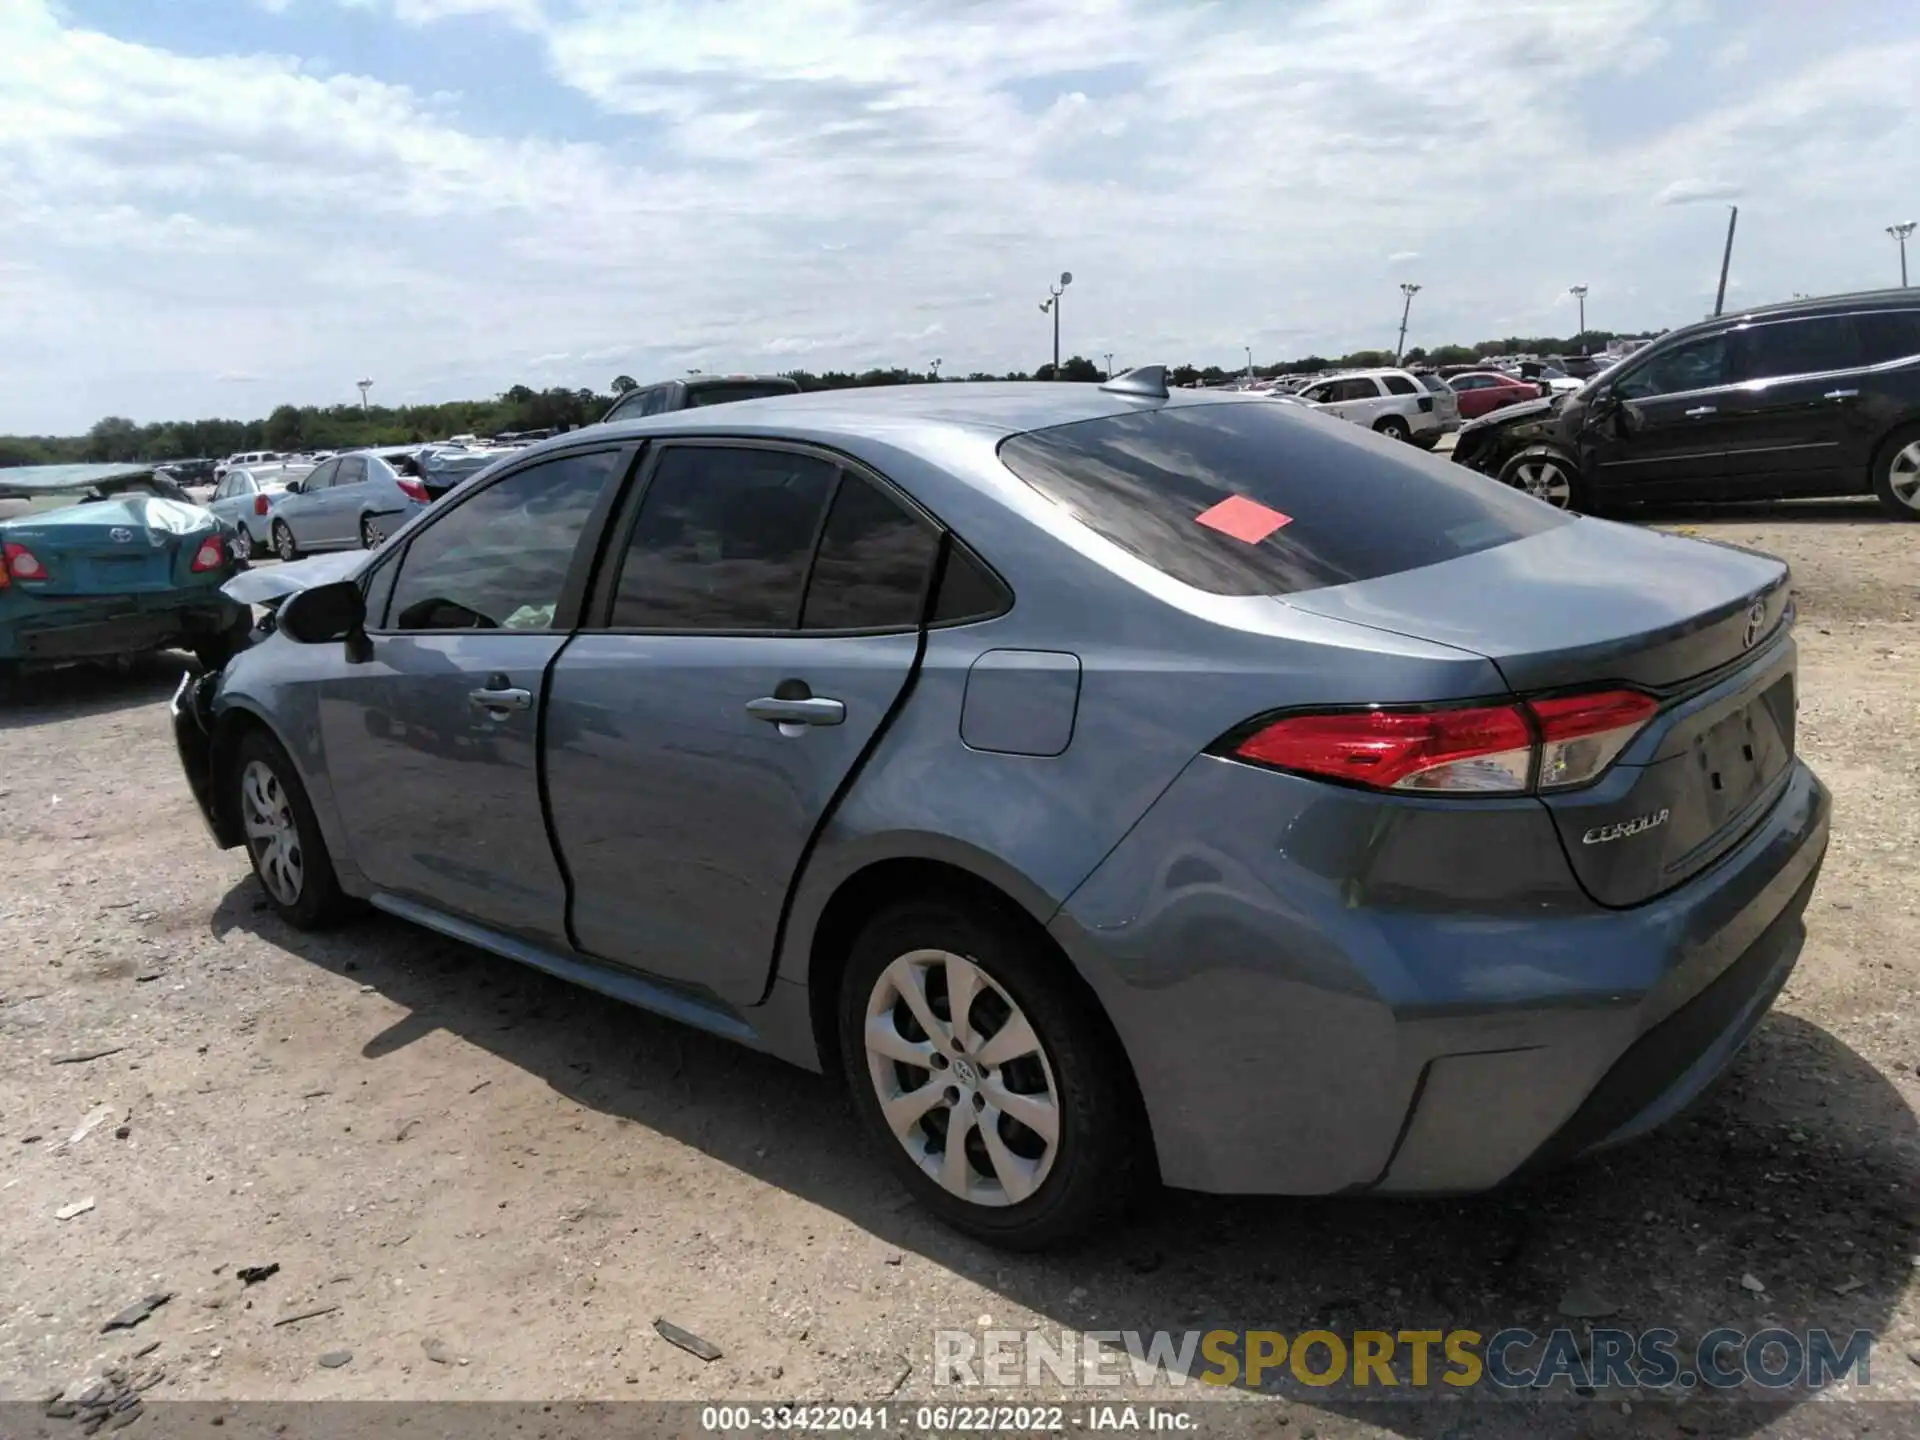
<point x="101" y="562"/>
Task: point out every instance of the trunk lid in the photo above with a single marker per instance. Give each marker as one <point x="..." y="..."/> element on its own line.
<point x="1592" y="605"/>
<point x="127" y="545"/>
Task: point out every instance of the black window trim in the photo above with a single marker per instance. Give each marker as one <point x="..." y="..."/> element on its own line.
<point x="569" y="610"/>
<point x="599" y="609"/>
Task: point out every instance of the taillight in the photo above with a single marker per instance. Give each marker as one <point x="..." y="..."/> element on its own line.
<point x="260" y="504"/>
<point x="414" y="490"/>
<point x="1480" y="750"/>
<point x="1551" y="744"/>
<point x="211" y="555"/>
<point x="22" y="563"/>
<point x="1581" y="734"/>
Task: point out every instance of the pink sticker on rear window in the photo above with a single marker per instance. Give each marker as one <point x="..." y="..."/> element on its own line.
<point x="1243" y="519"/>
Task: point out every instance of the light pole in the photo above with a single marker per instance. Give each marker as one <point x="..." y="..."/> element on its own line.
<point x="365" y="385"/>
<point x="1900" y="233"/>
<point x="1408" y="289"/>
<point x="1109" y="364"/>
<point x="935" y="367"/>
<point x="1726" y="260"/>
<point x="1052" y="302"/>
<point x="1249" y="350"/>
<point x="1579" y="292"/>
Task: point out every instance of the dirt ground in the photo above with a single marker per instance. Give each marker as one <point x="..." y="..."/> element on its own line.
<point x="493" y="1183"/>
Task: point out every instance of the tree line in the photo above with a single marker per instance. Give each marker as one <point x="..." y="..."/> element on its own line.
<point x="117" y="439"/>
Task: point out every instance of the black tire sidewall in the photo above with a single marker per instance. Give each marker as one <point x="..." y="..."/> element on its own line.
<point x="1576" y="490"/>
<point x="320" y="899"/>
<point x="1097" y="1168"/>
<point x="1883" y="473"/>
<point x="1394" y="428"/>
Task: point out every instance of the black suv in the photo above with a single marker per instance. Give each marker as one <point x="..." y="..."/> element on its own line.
<point x="1816" y="397"/>
<point x="668" y="395"/>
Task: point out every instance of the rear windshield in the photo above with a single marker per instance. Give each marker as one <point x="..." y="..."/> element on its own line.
<point x="745" y="390"/>
<point x="1313" y="502"/>
<point x="1433" y="382"/>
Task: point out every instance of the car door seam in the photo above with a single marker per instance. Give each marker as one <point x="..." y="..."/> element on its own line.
<point x="541" y="705"/>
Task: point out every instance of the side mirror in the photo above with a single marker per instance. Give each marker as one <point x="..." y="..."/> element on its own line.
<point x="324" y="613"/>
<point x="294" y="487"/>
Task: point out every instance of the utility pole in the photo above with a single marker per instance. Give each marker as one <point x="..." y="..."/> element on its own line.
<point x="1109" y="364"/>
<point x="1249" y="350"/>
<point x="1408" y="289"/>
<point x="1900" y="233"/>
<point x="365" y="385"/>
<point x="936" y="367"/>
<point x="1052" y="302"/>
<point x="1726" y="259"/>
<point x="1579" y="292"/>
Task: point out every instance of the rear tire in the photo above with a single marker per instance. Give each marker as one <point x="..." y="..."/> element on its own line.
<point x="1028" y="1051"/>
<point x="283" y="839"/>
<point x="243" y="544"/>
<point x="283" y="545"/>
<point x="1896" y="474"/>
<point x="1545" y="476"/>
<point x="372" y="536"/>
<point x="1393" y="427"/>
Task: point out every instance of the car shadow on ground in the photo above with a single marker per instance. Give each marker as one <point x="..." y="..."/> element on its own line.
<point x="1796" y="1173"/>
<point x="74" y="692"/>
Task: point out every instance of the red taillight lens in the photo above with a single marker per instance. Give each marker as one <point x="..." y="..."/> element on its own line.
<point x="1479" y="750"/>
<point x="260" y="504"/>
<point x="211" y="555"/>
<point x="1486" y="750"/>
<point x="414" y="490"/>
<point x="22" y="563"/>
<point x="1581" y="734"/>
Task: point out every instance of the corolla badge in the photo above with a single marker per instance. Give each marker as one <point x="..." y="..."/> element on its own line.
<point x="120" y="535"/>
<point x="1756" y="618"/>
<point x="1602" y="834"/>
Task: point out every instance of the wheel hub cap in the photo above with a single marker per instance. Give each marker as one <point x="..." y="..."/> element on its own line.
<point x="272" y="836"/>
<point x="962" y="1079"/>
<point x="1903" y="477"/>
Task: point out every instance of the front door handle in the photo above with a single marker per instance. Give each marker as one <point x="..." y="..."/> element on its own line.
<point x="1699" y="410"/>
<point x="1841" y="395"/>
<point x="817" y="710"/>
<point x="507" y="698"/>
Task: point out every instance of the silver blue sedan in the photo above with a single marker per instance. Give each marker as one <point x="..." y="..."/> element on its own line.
<point x="1115" y="783"/>
<point x="348" y="502"/>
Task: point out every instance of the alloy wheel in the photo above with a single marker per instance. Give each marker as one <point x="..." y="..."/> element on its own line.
<point x="1903" y="476"/>
<point x="1544" y="479"/>
<point x="372" y="534"/>
<point x="962" y="1078"/>
<point x="242" y="544"/>
<point x="283" y="542"/>
<point x="272" y="836"/>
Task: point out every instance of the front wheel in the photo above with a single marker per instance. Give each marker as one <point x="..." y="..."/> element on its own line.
<point x="1896" y="474"/>
<point x="1394" y="428"/>
<point x="373" y="534"/>
<point x="1001" y="1103"/>
<point x="283" y="545"/>
<point x="283" y="839"/>
<point x="242" y="544"/>
<point x="1544" y="476"/>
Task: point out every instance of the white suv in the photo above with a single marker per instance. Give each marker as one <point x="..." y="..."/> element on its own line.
<point x="1393" y="402"/>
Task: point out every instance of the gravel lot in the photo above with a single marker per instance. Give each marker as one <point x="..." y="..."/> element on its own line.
<point x="493" y="1183"/>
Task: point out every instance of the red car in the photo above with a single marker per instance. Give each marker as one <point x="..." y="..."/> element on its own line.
<point x="1484" y="390"/>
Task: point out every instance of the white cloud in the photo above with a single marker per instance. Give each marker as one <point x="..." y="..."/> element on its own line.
<point x="725" y="183"/>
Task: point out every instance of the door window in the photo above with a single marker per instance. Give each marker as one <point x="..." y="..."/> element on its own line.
<point x="722" y="540"/>
<point x="1398" y="385"/>
<point x="631" y="407"/>
<point x="352" y="471"/>
<point x="873" y="564"/>
<point x="321" y="478"/>
<point x="1799" y="347"/>
<point x="1696" y="365"/>
<point x="1888" y="335"/>
<point x="499" y="559"/>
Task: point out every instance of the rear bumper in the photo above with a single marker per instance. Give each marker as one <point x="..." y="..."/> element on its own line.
<point x="56" y="630"/>
<point x="1298" y="1027"/>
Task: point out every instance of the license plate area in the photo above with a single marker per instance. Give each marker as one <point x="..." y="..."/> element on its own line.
<point x="1741" y="754"/>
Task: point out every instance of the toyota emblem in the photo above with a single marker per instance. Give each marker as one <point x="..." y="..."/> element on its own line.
<point x="120" y="535"/>
<point x="1756" y="618"/>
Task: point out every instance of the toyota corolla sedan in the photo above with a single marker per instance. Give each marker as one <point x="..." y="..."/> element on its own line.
<point x="1118" y="784"/>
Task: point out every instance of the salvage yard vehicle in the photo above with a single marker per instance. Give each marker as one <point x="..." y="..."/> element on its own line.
<point x="1394" y="403"/>
<point x="1809" y="398"/>
<point x="696" y="391"/>
<point x="353" y="500"/>
<point x="105" y="562"/>
<point x="1115" y="782"/>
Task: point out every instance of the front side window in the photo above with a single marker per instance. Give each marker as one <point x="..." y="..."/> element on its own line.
<point x="1799" y="347"/>
<point x="1695" y="365"/>
<point x="352" y="471"/>
<point x="722" y="541"/>
<point x="1321" y="505"/>
<point x="631" y="406"/>
<point x="499" y="559"/>
<point x="874" y="561"/>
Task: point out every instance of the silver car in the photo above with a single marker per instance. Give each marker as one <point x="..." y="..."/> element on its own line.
<point x="349" y="501"/>
<point x="247" y="498"/>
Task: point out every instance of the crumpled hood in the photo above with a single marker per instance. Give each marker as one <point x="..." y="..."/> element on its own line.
<point x="276" y="582"/>
<point x="1512" y="414"/>
<point x="133" y="512"/>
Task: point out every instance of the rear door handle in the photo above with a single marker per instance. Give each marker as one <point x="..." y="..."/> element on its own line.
<point x="1841" y="395"/>
<point x="1700" y="410"/>
<point x="508" y="698"/>
<point x="815" y="711"/>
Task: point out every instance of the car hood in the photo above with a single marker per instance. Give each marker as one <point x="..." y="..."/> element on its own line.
<point x="147" y="514"/>
<point x="1514" y="413"/>
<point x="276" y="582"/>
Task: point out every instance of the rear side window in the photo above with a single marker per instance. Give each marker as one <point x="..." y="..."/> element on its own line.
<point x="968" y="589"/>
<point x="1346" y="511"/>
<point x="1799" y="347"/>
<point x="873" y="565"/>
<point x="745" y="390"/>
<point x="722" y="540"/>
<point x="1398" y="385"/>
<point x="1888" y="335"/>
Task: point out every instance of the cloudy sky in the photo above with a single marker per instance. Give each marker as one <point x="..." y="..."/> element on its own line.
<point x="208" y="208"/>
